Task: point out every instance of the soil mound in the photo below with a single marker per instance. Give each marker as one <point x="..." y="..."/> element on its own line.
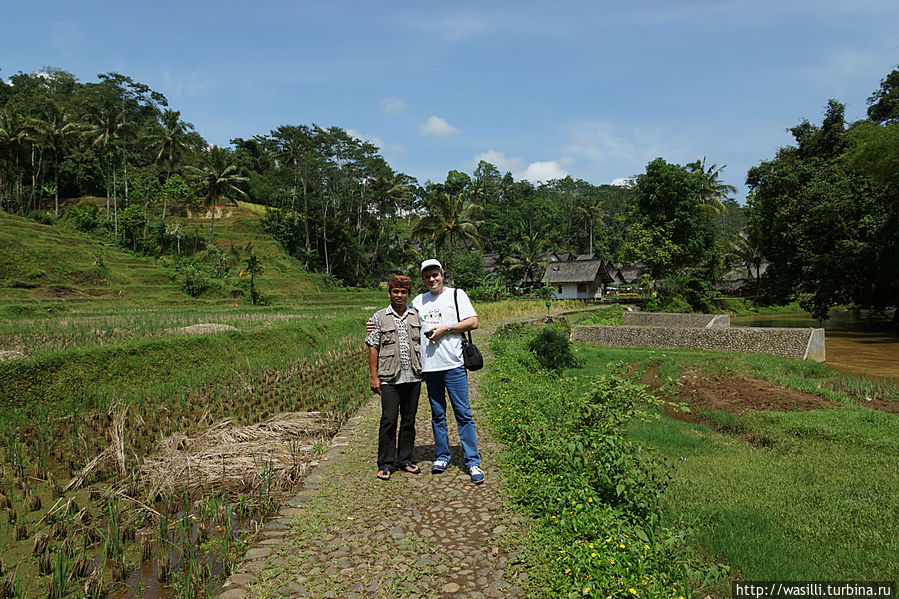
<point x="739" y="395"/>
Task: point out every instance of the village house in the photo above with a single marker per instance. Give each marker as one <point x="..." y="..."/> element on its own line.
<point x="584" y="277"/>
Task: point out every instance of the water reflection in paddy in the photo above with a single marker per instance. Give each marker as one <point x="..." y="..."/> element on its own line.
<point x="857" y="343"/>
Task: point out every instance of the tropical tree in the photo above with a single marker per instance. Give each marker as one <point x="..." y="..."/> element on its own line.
<point x="216" y="177"/>
<point x="527" y="257"/>
<point x="102" y="131"/>
<point x="589" y="210"/>
<point x="666" y="218"/>
<point x="52" y="129"/>
<point x="712" y="191"/>
<point x="12" y="135"/>
<point x="253" y="267"/>
<point x="450" y="218"/>
<point x="171" y="141"/>
<point x="745" y="248"/>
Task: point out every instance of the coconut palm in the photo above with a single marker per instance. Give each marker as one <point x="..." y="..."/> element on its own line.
<point x="450" y="218"/>
<point x="103" y="131"/>
<point x="170" y="141"/>
<point x="527" y="256"/>
<point x="712" y="190"/>
<point x="589" y="210"/>
<point x="12" y="134"/>
<point x="216" y="177"/>
<point x="52" y="129"/>
<point x="746" y="249"/>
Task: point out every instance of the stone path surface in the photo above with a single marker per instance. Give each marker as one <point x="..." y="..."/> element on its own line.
<point x="347" y="534"/>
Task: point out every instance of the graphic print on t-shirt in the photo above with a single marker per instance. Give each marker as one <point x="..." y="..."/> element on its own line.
<point x="433" y="316"/>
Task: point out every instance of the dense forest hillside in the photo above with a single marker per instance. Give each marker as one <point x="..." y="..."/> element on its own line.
<point x="821" y="215"/>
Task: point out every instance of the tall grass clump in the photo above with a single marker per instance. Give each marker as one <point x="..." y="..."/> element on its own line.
<point x="594" y="493"/>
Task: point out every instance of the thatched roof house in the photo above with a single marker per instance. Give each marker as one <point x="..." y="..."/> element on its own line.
<point x="578" y="279"/>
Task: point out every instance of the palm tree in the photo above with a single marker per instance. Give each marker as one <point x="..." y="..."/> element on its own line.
<point x="588" y="210"/>
<point x="12" y="134"/>
<point x="450" y="218"/>
<point x="103" y="131"/>
<point x="746" y="248"/>
<point x="712" y="190"/>
<point x="170" y="141"/>
<point x="527" y="256"/>
<point x="214" y="178"/>
<point x="293" y="147"/>
<point x="52" y="129"/>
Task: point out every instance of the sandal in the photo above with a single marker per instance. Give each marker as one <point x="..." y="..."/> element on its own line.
<point x="384" y="474"/>
<point x="410" y="469"/>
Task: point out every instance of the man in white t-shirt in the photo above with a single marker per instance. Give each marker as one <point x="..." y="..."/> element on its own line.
<point x="442" y="367"/>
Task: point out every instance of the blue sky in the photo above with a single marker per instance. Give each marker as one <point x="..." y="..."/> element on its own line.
<point x="591" y="89"/>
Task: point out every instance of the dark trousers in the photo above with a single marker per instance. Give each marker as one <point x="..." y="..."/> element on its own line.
<point x="397" y="400"/>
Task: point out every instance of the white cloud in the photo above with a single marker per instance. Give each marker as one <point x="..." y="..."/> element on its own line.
<point x="499" y="160"/>
<point x="543" y="171"/>
<point x="624" y="181"/>
<point x="438" y="126"/>
<point x="535" y="172"/>
<point x="393" y="105"/>
<point x="369" y="138"/>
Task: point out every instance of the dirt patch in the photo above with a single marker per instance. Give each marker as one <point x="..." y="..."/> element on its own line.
<point x="881" y="405"/>
<point x="10" y="354"/>
<point x="739" y="395"/>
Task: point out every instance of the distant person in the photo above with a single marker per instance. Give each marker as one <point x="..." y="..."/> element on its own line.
<point x="442" y="367"/>
<point x="394" y="358"/>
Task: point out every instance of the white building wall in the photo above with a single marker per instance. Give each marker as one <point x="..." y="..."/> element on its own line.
<point x="566" y="291"/>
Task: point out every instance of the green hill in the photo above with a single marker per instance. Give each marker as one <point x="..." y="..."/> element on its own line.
<point x="53" y="263"/>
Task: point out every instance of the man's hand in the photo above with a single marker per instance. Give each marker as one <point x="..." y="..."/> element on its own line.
<point x="437" y="332"/>
<point x="375" y="385"/>
<point x="369" y="326"/>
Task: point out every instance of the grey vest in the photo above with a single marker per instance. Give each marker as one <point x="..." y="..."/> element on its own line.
<point x="389" y="364"/>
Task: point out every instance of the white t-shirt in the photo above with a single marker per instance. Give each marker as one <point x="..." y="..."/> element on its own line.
<point x="440" y="310"/>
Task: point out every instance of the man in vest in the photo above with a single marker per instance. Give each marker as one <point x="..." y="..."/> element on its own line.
<point x="394" y="358"/>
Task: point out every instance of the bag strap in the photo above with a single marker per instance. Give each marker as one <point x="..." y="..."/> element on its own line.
<point x="456" y="301"/>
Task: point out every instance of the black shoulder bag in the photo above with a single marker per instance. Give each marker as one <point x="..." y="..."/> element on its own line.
<point x="471" y="355"/>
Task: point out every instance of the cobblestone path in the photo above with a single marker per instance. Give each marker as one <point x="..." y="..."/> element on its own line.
<point x="347" y="534"/>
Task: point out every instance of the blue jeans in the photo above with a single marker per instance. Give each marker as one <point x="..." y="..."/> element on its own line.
<point x="455" y="381"/>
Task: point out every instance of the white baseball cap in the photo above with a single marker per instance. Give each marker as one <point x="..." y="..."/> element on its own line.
<point x="430" y="264"/>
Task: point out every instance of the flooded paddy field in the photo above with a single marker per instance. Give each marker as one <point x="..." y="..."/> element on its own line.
<point x="143" y="466"/>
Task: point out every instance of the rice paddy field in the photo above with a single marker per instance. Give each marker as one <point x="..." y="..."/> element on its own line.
<point x="146" y="434"/>
<point x="142" y="446"/>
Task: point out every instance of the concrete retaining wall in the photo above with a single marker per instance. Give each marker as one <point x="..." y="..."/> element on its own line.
<point x="672" y="320"/>
<point x="807" y="344"/>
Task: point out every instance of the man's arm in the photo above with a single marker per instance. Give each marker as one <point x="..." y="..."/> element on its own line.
<point x="463" y="326"/>
<point x="375" y="382"/>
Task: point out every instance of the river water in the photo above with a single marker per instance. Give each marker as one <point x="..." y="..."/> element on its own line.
<point x="857" y="343"/>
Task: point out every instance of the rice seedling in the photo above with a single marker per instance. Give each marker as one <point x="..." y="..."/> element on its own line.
<point x="61" y="576"/>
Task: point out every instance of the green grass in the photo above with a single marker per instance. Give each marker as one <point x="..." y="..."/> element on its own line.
<point x="741" y="306"/>
<point x="592" y="493"/>
<point x="800" y="495"/>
